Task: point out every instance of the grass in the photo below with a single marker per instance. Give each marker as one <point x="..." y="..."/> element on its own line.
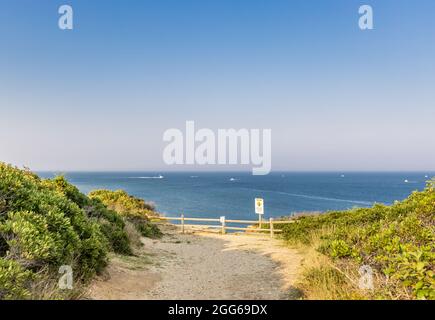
<point x="139" y="262"/>
<point x="397" y="242"/>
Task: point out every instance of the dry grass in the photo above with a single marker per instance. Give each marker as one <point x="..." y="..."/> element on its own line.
<point x="133" y="235"/>
<point x="322" y="279"/>
<point x="46" y="287"/>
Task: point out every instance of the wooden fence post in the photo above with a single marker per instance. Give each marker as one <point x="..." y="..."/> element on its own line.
<point x="182" y="223"/>
<point x="223" y="224"/>
<point x="271" y="227"/>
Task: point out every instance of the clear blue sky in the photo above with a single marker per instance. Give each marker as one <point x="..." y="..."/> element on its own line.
<point x="335" y="97"/>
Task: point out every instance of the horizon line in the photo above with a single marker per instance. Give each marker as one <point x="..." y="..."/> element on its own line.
<point x="238" y="171"/>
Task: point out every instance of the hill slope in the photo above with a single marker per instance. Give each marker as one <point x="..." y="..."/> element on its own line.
<point x="46" y="224"/>
<point x="397" y="242"/>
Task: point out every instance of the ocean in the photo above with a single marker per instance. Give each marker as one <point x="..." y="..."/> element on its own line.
<point x="231" y="194"/>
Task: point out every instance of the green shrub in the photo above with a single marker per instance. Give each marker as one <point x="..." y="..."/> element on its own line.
<point x="135" y="210"/>
<point x="14" y="280"/>
<point x="60" y="184"/>
<point x="39" y="228"/>
<point x="146" y="228"/>
<point x="397" y="240"/>
<point x="111" y="223"/>
<point x="117" y="237"/>
<point x="46" y="223"/>
<point x="123" y="203"/>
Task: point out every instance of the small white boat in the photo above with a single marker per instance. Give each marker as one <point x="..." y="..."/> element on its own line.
<point x="406" y="181"/>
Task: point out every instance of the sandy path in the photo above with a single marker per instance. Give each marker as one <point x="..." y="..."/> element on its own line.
<point x="202" y="266"/>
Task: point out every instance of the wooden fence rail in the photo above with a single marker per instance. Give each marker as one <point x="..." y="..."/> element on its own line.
<point x="223" y="224"/>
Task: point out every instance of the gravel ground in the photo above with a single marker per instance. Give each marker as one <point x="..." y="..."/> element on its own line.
<point x="202" y="265"/>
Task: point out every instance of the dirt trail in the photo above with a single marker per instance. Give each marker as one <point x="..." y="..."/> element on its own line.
<point x="202" y="266"/>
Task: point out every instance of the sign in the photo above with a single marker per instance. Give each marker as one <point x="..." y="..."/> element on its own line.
<point x="222" y="219"/>
<point x="259" y="206"/>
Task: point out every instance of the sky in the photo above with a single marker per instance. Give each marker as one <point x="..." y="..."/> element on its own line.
<point x="100" y="96"/>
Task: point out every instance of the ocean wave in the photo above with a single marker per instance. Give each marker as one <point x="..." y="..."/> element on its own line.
<point x="315" y="197"/>
<point x="327" y="198"/>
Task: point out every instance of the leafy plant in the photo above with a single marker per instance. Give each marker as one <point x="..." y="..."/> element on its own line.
<point x="133" y="209"/>
<point x="39" y="228"/>
<point x="397" y="240"/>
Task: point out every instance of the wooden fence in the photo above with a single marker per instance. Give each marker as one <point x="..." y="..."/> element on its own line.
<point x="223" y="224"/>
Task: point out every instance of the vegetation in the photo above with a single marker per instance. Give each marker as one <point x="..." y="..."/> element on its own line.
<point x="45" y="224"/>
<point x="111" y="223"/>
<point x="397" y="242"/>
<point x="134" y="210"/>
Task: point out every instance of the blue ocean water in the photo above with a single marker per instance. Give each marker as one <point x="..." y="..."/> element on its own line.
<point x="231" y="194"/>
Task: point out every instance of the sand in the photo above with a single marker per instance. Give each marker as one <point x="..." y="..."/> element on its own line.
<point x="202" y="265"/>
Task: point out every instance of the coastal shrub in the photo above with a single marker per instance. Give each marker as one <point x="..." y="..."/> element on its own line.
<point x="71" y="192"/>
<point x="135" y="210"/>
<point x="145" y="227"/>
<point x="123" y="203"/>
<point x="117" y="237"/>
<point x="14" y="280"/>
<point x="41" y="228"/>
<point x="111" y="223"/>
<point x="46" y="223"/>
<point x="397" y="241"/>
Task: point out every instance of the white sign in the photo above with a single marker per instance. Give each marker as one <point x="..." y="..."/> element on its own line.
<point x="222" y="219"/>
<point x="259" y="206"/>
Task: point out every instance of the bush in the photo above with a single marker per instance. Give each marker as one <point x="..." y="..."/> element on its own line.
<point x="48" y="223"/>
<point x="14" y="280"/>
<point x="398" y="241"/>
<point x="146" y="228"/>
<point x="40" y="227"/>
<point x="123" y="203"/>
<point x="134" y="210"/>
<point x="111" y="223"/>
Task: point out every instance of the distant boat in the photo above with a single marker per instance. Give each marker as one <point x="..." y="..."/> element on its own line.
<point x="153" y="177"/>
<point x="232" y="179"/>
<point x="406" y="181"/>
<point x="426" y="176"/>
<point x="342" y="175"/>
